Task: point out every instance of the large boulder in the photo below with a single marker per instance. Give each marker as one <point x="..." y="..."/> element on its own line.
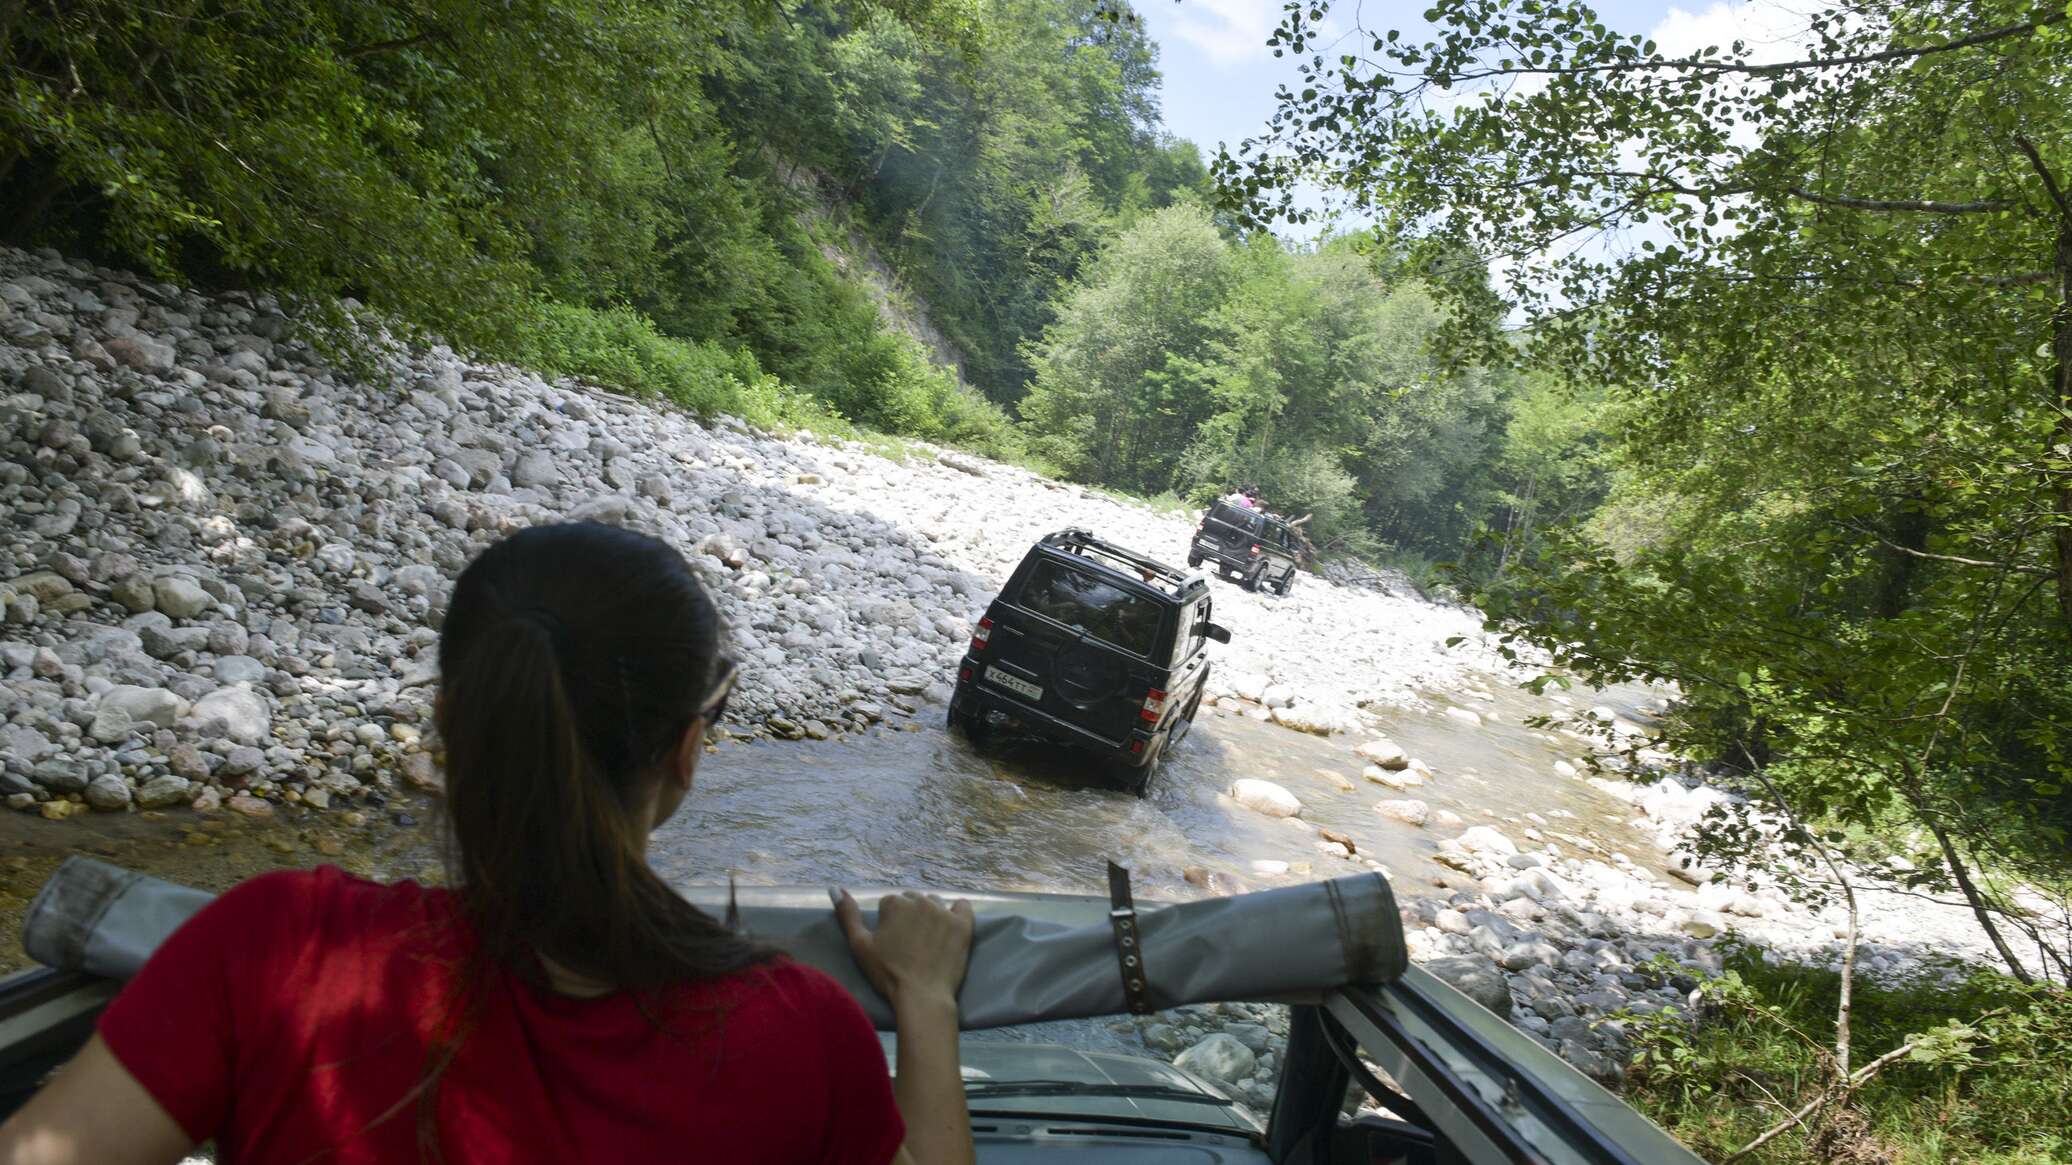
<point x="155" y="706"/>
<point x="1265" y="797"/>
<point x="236" y="712"/>
<point x="1219" y="1057"/>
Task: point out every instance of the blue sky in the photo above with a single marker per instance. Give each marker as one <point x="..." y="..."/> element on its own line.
<point x="1220" y="77"/>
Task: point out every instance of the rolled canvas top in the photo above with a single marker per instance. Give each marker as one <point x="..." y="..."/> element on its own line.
<point x="1034" y="957"/>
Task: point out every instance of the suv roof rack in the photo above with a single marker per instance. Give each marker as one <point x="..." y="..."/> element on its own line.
<point x="1079" y="541"/>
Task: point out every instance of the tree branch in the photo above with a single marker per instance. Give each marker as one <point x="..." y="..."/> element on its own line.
<point x="1958" y="559"/>
<point x="389" y="46"/>
<point x="2050" y="180"/>
<point x="2043" y="18"/>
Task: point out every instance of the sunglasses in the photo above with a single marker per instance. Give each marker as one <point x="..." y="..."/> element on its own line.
<point x="714" y="705"/>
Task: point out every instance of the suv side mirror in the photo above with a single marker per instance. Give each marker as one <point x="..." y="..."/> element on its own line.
<point x="1217" y="632"/>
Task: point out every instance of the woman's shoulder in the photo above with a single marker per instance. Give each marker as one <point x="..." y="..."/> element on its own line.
<point x="802" y="989"/>
<point x="324" y="899"/>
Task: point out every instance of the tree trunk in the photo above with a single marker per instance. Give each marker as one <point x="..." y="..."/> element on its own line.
<point x="1961" y="872"/>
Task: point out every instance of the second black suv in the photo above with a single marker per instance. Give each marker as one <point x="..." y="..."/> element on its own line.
<point x="1255" y="546"/>
<point x="1093" y="645"/>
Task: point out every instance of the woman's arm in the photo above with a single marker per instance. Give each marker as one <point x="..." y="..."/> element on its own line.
<point x="916" y="960"/>
<point x="93" y="1112"/>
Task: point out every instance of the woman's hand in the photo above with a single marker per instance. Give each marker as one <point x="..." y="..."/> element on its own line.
<point x="919" y="951"/>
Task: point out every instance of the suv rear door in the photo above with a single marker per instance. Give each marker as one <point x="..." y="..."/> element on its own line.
<point x="1086" y="642"/>
<point x="1233" y="529"/>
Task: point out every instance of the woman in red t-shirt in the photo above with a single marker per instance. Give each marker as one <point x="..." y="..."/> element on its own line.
<point x="559" y="1003"/>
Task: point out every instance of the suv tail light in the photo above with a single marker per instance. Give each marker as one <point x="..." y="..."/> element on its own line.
<point x="982" y="636"/>
<point x="1154" y="705"/>
<point x="1255" y="550"/>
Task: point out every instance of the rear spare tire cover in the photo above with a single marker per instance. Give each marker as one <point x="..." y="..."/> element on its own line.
<point x="1085" y="674"/>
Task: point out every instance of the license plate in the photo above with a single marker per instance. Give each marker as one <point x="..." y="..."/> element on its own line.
<point x="1204" y="544"/>
<point x="1014" y="684"/>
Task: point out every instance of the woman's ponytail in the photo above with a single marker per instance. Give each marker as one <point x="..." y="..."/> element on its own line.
<point x="573" y="660"/>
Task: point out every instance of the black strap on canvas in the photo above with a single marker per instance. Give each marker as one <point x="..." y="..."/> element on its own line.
<point x="1129" y="946"/>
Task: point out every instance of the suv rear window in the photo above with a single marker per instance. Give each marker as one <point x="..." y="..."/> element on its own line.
<point x="1077" y="598"/>
<point x="1243" y="519"/>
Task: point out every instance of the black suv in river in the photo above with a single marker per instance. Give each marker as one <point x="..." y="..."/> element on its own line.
<point x="1093" y="645"/>
<point x="1255" y="546"/>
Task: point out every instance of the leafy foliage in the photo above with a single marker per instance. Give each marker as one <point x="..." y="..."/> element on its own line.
<point x="1827" y="290"/>
<point x="1980" y="1082"/>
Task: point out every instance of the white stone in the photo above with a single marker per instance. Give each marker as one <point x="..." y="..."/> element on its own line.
<point x="1407" y="811"/>
<point x="1219" y="1057"/>
<point x="1384" y="753"/>
<point x="236" y="712"/>
<point x="1265" y="797"/>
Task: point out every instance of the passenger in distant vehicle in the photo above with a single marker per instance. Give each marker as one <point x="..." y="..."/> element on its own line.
<point x="559" y="1003"/>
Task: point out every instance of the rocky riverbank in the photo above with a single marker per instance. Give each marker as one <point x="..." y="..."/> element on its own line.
<point x="228" y="560"/>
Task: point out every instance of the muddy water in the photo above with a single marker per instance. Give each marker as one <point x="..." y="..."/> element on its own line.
<point x="918" y="806"/>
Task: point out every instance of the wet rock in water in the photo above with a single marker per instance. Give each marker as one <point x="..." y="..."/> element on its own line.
<point x="1269" y="867"/>
<point x="1343" y="839"/>
<point x="1317" y="719"/>
<point x="1407" y="811"/>
<point x="1384" y="753"/>
<point x="1214" y="881"/>
<point x="1446" y="819"/>
<point x="109" y="794"/>
<point x="249" y="806"/>
<point x="1265" y="797"/>
<point x="1476" y="979"/>
<point x="1392" y="778"/>
<point x="1467" y="716"/>
<point x="1219" y="1057"/>
<point x="1336" y="780"/>
<point x="160" y="792"/>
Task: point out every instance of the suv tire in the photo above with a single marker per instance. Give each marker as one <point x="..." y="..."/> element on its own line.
<point x="1251" y="580"/>
<point x="1194" y="560"/>
<point x="1138" y="782"/>
<point x="1286" y="583"/>
<point x="971" y="721"/>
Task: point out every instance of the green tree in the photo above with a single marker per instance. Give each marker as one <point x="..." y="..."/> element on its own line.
<point x="1839" y="346"/>
<point x="1117" y="393"/>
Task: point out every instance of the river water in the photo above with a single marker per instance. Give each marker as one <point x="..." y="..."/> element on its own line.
<point x="921" y="807"/>
<point x="914" y="805"/>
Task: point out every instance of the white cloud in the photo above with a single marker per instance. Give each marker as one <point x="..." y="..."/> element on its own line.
<point x="1771" y="29"/>
<point x="1228" y="32"/>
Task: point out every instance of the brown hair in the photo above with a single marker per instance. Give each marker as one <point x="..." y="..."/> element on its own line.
<point x="572" y="661"/>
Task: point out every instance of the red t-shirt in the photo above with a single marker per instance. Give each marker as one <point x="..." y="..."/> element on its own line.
<point x="293" y="1018"/>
